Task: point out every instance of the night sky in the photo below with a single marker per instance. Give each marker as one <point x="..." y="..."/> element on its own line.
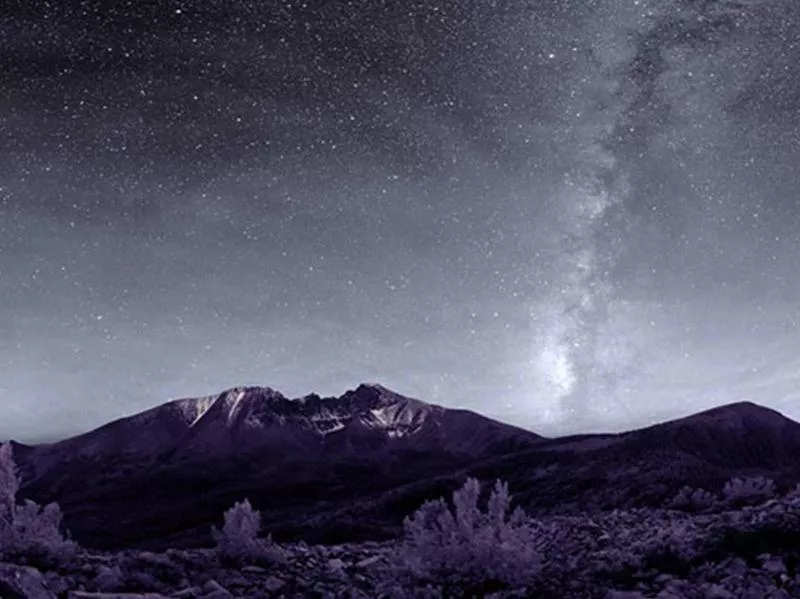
<point x="570" y="215"/>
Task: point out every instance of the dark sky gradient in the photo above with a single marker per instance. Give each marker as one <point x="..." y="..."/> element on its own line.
<point x="569" y="215"/>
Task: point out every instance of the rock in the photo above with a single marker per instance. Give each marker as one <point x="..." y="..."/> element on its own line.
<point x="108" y="579"/>
<point x="367" y="562"/>
<point x="671" y="593"/>
<point x="716" y="591"/>
<point x="736" y="566"/>
<point x="238" y="581"/>
<point x="254" y="570"/>
<point x="214" y="590"/>
<point x="335" y="564"/>
<point x="96" y="557"/>
<point x="323" y="593"/>
<point x="56" y="583"/>
<point x="273" y="584"/>
<point x="302" y="547"/>
<point x="143" y="580"/>
<point x="87" y="595"/>
<point x="187" y="593"/>
<point x="23" y="582"/>
<point x="774" y="565"/>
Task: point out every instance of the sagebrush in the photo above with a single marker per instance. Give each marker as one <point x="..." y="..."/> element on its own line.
<point x="466" y="549"/>
<point x="748" y="491"/>
<point x="238" y="540"/>
<point x="27" y="528"/>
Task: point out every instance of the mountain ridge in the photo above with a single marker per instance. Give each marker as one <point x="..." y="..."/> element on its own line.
<point x="349" y="468"/>
<point x="249" y="414"/>
<point x="739" y="410"/>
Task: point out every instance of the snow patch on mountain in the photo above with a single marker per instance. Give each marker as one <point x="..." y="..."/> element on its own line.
<point x="234" y="399"/>
<point x="381" y="416"/>
<point x="372" y="407"/>
<point x="328" y="427"/>
<point x="192" y="410"/>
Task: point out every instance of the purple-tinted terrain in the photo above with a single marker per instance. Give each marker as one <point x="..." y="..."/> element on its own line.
<point x="348" y="469"/>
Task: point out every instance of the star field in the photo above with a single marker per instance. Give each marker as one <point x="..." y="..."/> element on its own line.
<point x="572" y="216"/>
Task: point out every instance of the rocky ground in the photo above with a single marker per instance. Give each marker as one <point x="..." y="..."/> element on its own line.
<point x="345" y="571"/>
<point x="748" y="553"/>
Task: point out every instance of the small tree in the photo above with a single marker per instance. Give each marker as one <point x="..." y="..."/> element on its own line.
<point x="9" y="485"/>
<point x="27" y="528"/>
<point x="748" y="491"/>
<point x="692" y="500"/>
<point x="238" y="541"/>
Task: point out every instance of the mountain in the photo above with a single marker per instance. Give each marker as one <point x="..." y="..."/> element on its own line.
<point x="350" y="468"/>
<point x="737" y="436"/>
<point x="646" y="466"/>
<point x="253" y="420"/>
<point x="175" y="467"/>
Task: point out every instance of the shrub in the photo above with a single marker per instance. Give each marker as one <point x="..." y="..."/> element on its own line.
<point x="28" y="529"/>
<point x="9" y="485"/>
<point x="748" y="491"/>
<point x="468" y="550"/>
<point x="793" y="495"/>
<point x="238" y="541"/>
<point x="692" y="500"/>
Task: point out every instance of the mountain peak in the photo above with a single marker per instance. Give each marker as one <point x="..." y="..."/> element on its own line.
<point x="374" y="391"/>
<point x="251" y="416"/>
<point x="376" y="387"/>
<point x="253" y="392"/>
<point x="738" y="414"/>
<point x="371" y="396"/>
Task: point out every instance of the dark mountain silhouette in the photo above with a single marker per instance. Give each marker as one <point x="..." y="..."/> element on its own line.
<point x="177" y="466"/>
<point x="645" y="467"/>
<point x="350" y="468"/>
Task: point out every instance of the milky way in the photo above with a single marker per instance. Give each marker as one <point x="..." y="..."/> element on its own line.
<point x="572" y="216"/>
